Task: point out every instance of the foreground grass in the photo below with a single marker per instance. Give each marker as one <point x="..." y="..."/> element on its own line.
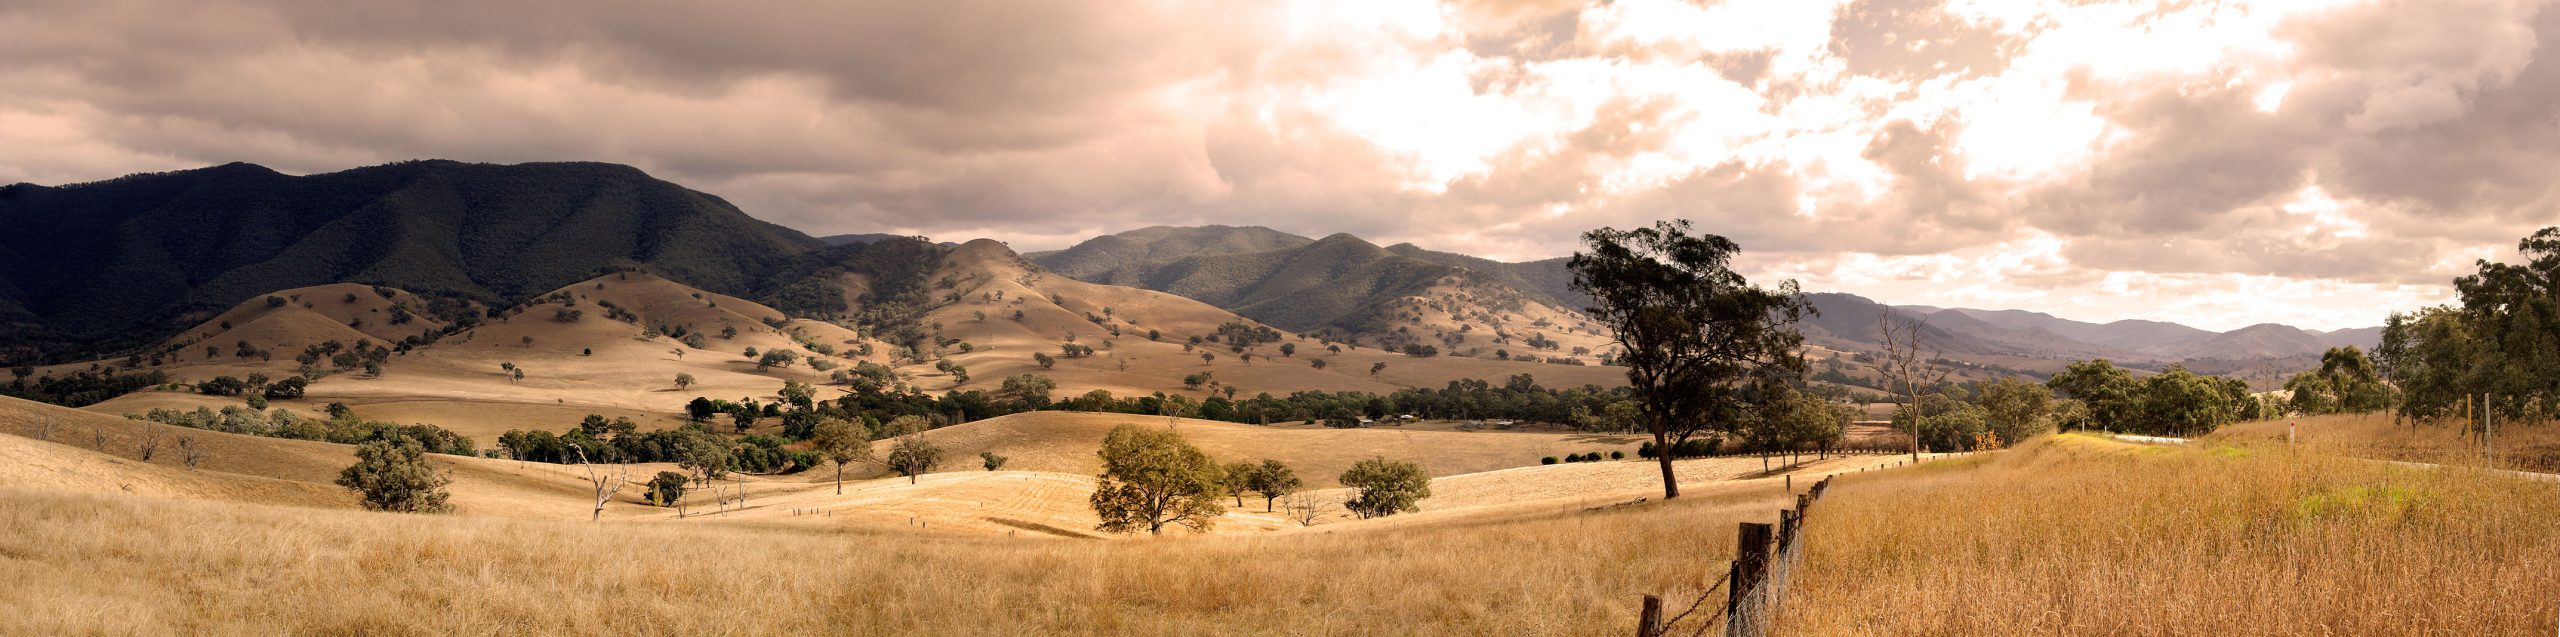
<point x="105" y="564"/>
<point x="2077" y="535"/>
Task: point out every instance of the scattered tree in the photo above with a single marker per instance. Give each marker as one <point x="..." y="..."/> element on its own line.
<point x="1151" y="478"/>
<point x="913" y="455"/>
<point x="1383" y="487"/>
<point x="991" y="460"/>
<point x="394" y="475"/>
<point x="1273" y="480"/>
<point x="842" y="442"/>
<point x="683" y="380"/>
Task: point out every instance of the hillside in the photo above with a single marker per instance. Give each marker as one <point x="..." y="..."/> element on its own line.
<point x="1005" y="308"/>
<point x="613" y="346"/>
<point x="1145" y="247"/>
<point x="1346" y="288"/>
<point x="109" y="266"/>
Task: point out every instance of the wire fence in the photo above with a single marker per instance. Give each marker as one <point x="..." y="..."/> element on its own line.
<point x="1755" y="584"/>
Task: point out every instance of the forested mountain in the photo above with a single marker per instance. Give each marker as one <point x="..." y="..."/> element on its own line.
<point x="1339" y="284"/>
<point x="1144" y="249"/>
<point x="92" y="268"/>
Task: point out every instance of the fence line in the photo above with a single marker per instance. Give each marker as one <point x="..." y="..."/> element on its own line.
<point x="1755" y="584"/>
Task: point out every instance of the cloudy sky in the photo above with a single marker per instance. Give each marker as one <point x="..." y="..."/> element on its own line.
<point x="2215" y="163"/>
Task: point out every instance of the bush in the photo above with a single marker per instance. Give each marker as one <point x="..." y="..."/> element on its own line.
<point x="1617" y="455"/>
<point x="667" y="488"/>
<point x="1547" y="460"/>
<point x="1692" y="448"/>
<point x="222" y="386"/>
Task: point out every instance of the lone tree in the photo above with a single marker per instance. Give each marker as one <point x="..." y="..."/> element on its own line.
<point x="683" y="380"/>
<point x="1151" y="478"/>
<point x="843" y="443"/>
<point x="393" y="475"/>
<point x="1273" y="480"/>
<point x="913" y="455"/>
<point x="992" y="460"/>
<point x="1385" y="487"/>
<point x="606" y="485"/>
<point x="1906" y="364"/>
<point x="1689" y="327"/>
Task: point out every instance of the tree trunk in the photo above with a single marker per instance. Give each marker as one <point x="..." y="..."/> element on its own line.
<point x="1662" y="454"/>
<point x="839" y="478"/>
<point x="1266" y="502"/>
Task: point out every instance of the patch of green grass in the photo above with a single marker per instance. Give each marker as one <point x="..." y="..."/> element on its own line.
<point x="2352" y="502"/>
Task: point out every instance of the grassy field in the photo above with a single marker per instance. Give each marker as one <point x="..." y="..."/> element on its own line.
<point x="2064" y="535"/>
<point x="2521" y="446"/>
<point x="2080" y="535"/>
<point x="86" y="563"/>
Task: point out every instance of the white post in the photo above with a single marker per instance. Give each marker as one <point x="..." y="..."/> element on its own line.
<point x="2288" y="434"/>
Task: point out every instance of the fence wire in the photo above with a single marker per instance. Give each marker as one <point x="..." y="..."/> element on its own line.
<point x="1750" y="611"/>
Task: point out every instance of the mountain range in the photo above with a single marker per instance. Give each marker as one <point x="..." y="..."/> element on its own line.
<point x="1341" y="283"/>
<point x="108" y="267"/>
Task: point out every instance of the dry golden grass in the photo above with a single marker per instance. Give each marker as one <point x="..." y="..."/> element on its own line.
<point x="2078" y="535"/>
<point x="2524" y="446"/>
<point x="1065" y="442"/>
<point x="88" y="564"/>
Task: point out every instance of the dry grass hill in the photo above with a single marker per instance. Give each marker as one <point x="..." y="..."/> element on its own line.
<point x="614" y="344"/>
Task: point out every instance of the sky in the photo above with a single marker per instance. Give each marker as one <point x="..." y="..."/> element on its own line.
<point x="2221" y="164"/>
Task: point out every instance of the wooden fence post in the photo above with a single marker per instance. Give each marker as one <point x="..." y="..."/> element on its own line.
<point x="1750" y="565"/>
<point x="1650" y="625"/>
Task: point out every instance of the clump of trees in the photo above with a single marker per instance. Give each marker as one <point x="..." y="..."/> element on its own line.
<point x="78" y="389"/>
<point x="2175" y="402"/>
<point x="2347" y="382"/>
<point x="1152" y="478"/>
<point x="342" y="427"/>
<point x="394" y="475"/>
<point x="2496" y="352"/>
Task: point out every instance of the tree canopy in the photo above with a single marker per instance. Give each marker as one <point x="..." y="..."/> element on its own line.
<point x="1152" y="478"/>
<point x="1689" y="328"/>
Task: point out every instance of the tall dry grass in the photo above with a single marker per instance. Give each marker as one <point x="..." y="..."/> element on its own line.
<point x="90" y="564"/>
<point x="2077" y="535"/>
<point x="2522" y="446"/>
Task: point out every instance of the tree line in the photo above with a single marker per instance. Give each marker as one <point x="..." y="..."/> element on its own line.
<point x="2495" y="351"/>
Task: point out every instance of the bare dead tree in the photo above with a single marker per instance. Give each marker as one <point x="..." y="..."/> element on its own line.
<point x="44" y="427"/>
<point x="189" y="452"/>
<point x="607" y="485"/>
<point x="1904" y="363"/>
<point x="98" y="437"/>
<point x="150" y="445"/>
<point x="1302" y="508"/>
